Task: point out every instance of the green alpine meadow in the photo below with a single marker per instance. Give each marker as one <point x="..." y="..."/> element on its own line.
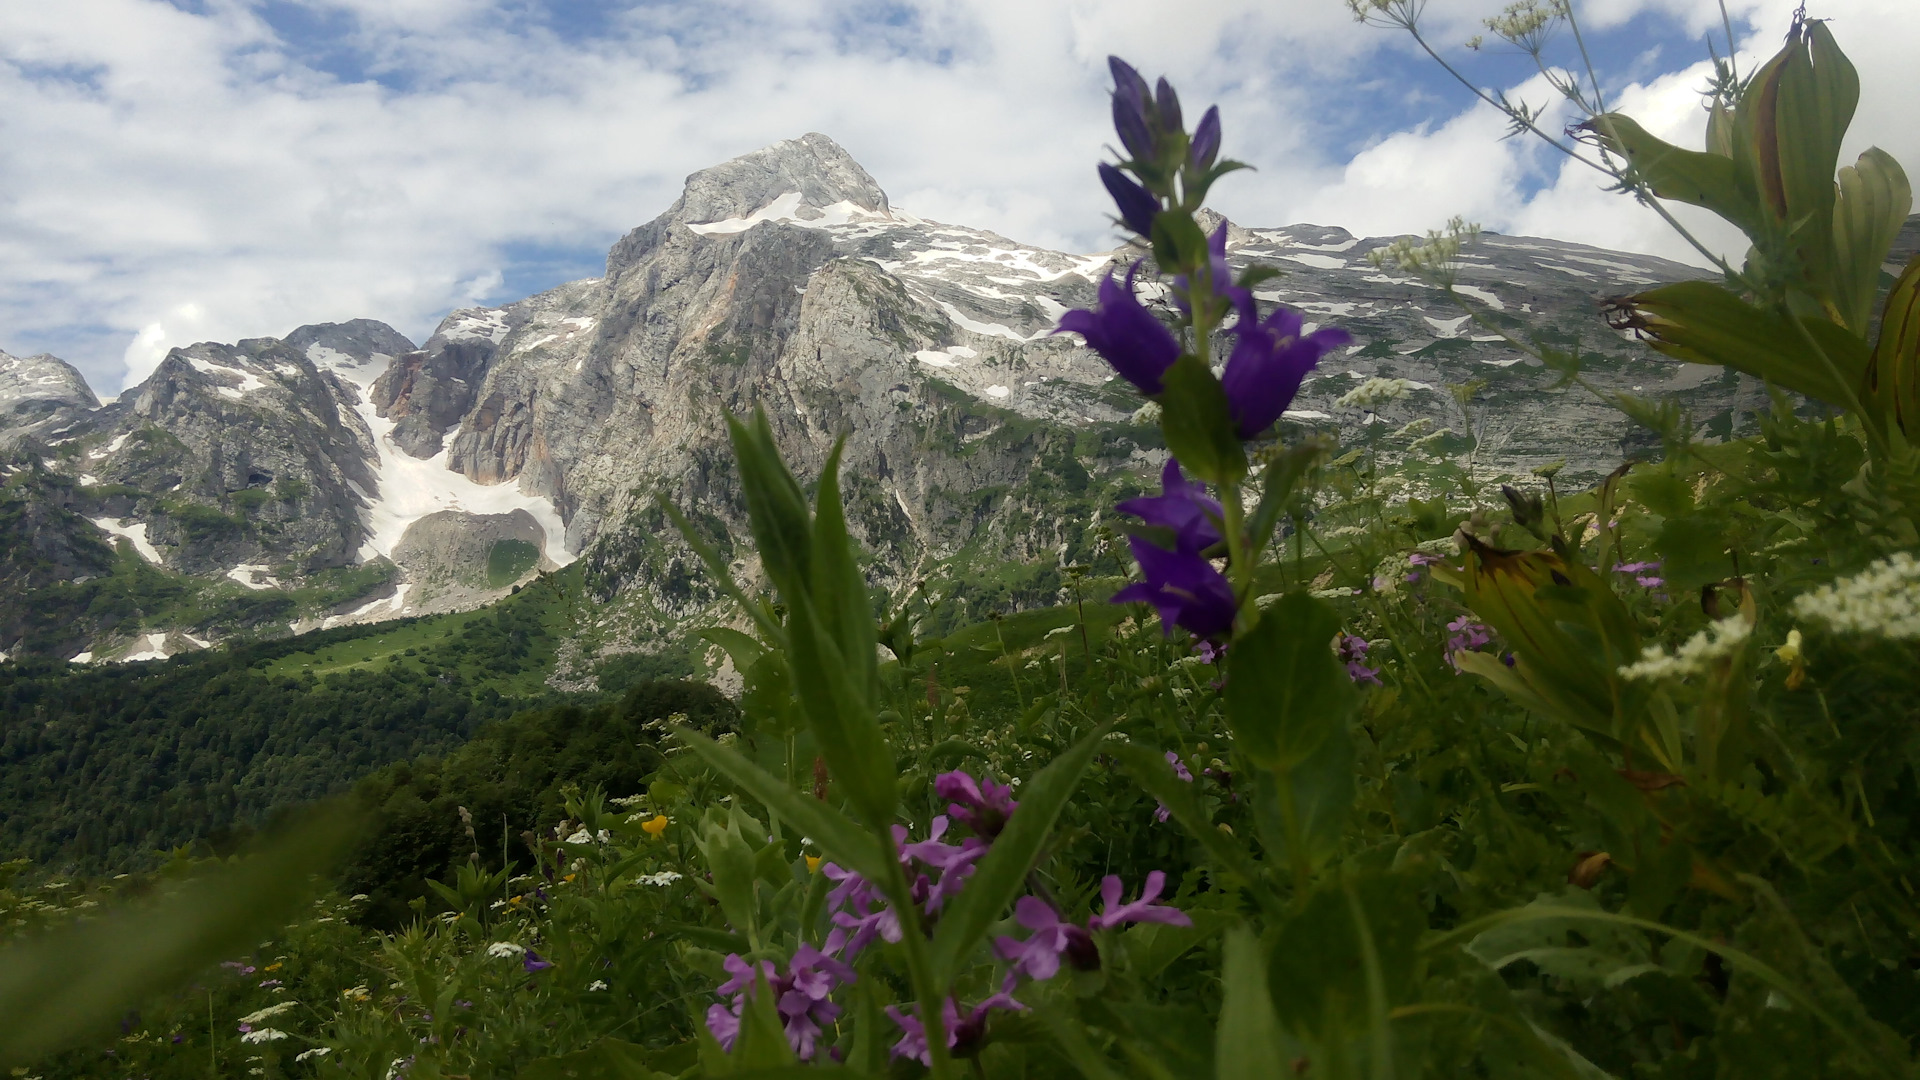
<point x="1249" y="653"/>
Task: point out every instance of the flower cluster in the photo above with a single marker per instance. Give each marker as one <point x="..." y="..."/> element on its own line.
<point x="1352" y="651"/>
<point x="1181" y="582"/>
<point x="1053" y="938"/>
<point x="801" y="996"/>
<point x="1882" y="600"/>
<point x="1466" y="636"/>
<point x="1699" y="653"/>
<point x="1375" y="392"/>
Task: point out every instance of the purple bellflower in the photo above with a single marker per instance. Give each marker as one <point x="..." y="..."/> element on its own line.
<point x="963" y="1033"/>
<point x="1137" y="205"/>
<point x="1185" y="588"/>
<point x="1183" y="506"/>
<point x="980" y="805"/>
<point x="1114" y="913"/>
<point x="1131" y="103"/>
<point x="532" y="962"/>
<point x="1269" y="361"/>
<point x="1206" y="140"/>
<point x="1125" y="334"/>
<point x="1220" y="275"/>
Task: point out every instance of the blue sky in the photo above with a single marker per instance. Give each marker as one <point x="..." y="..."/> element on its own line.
<point x="182" y="170"/>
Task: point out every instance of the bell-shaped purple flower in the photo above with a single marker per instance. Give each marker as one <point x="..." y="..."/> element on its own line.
<point x="532" y="962"/>
<point x="1166" y="106"/>
<point x="1219" y="278"/>
<point x="1185" y="588"/>
<point x="1183" y="506"/>
<point x="1125" y="334"/>
<point x="1206" y="140"/>
<point x="1131" y="101"/>
<point x="1268" y="363"/>
<point x="1137" y="204"/>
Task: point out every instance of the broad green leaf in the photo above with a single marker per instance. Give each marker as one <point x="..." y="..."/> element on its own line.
<point x="843" y="841"/>
<point x="839" y="594"/>
<point x="1893" y="374"/>
<point x="1591" y="955"/>
<point x="730" y="861"/>
<point x="1197" y="424"/>
<point x="1702" y="322"/>
<point x="1350" y="953"/>
<point x="840" y="713"/>
<point x="1320" y="791"/>
<point x="1178" y="243"/>
<point x="741" y="648"/>
<point x="775" y="505"/>
<point x="66" y="984"/>
<point x="1708" y="180"/>
<point x="1874" y="201"/>
<point x="1248" y="1043"/>
<point x="1286" y="692"/>
<point x="1814" y="104"/>
<point x="1001" y="875"/>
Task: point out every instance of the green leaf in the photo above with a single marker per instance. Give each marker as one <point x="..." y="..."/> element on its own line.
<point x="1321" y="792"/>
<point x="1178" y="243"/>
<point x="608" y="1059"/>
<point x="1893" y="374"/>
<point x="775" y="505"/>
<point x="843" y="841"/>
<point x="730" y="860"/>
<point x="741" y="648"/>
<point x="1286" y="692"/>
<point x="70" y="983"/>
<point x="1708" y="180"/>
<point x="1279" y="481"/>
<point x="1002" y="874"/>
<point x="839" y="594"/>
<point x="1874" y="201"/>
<point x="1248" y="1043"/>
<point x="1704" y="323"/>
<point x="1197" y="424"/>
<point x="1349" y="954"/>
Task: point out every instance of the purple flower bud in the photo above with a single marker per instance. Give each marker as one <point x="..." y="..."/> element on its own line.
<point x="1130" y="103"/>
<point x="1269" y="362"/>
<point x="980" y="805"/>
<point x="1125" y="334"/>
<point x="532" y="962"/>
<point x="1206" y="139"/>
<point x="1137" y="205"/>
<point x="1166" y="106"/>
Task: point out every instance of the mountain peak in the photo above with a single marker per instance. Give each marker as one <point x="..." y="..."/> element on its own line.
<point x="815" y="167"/>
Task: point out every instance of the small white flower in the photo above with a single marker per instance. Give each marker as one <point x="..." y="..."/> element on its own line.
<point x="504" y="950"/>
<point x="661" y="879"/>
<point x="1147" y="415"/>
<point x="357" y="897"/>
<point x="269" y="1012"/>
<point x="1883" y="600"/>
<point x="318" y="1051"/>
<point x="1374" y="393"/>
<point x="263" y="1035"/>
<point x="1060" y="631"/>
<point x="597" y="984"/>
<point x="1694" y="656"/>
<point x="580" y="836"/>
<point x="1331" y="594"/>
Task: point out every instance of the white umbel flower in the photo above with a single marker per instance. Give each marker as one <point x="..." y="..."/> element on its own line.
<point x="269" y="1012"/>
<point x="1693" y="657"/>
<point x="263" y="1035"/>
<point x="1882" y="600"/>
<point x="504" y="950"/>
<point x="1374" y="393"/>
<point x="661" y="879"/>
<point x="318" y="1051"/>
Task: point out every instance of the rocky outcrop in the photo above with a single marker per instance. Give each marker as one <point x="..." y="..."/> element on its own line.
<point x="39" y="395"/>
<point x="429" y="391"/>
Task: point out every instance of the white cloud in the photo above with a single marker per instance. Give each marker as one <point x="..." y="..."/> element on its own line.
<point x="174" y="176"/>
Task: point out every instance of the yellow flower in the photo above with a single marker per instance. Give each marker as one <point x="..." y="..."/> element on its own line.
<point x="813" y="864"/>
<point x="655" y="826"/>
<point x="272" y="967"/>
<point x="1790" y="655"/>
<point x="569" y="878"/>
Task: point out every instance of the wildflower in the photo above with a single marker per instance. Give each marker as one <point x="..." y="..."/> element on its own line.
<point x="813" y="864"/>
<point x="1717" y="642"/>
<point x="1185" y="588"/>
<point x="1790" y="655"/>
<point x="1206" y="140"/>
<point x="1114" y="913"/>
<point x="532" y="962"/>
<point x="269" y="1012"/>
<point x="1179" y="770"/>
<point x="1132" y="103"/>
<point x="659" y="880"/>
<point x="1467" y="636"/>
<point x="502" y="950"/>
<point x="800" y="996"/>
<point x="1352" y="651"/>
<point x="1269" y="361"/>
<point x="1137" y="205"/>
<point x="1219" y="276"/>
<point x="596" y="985"/>
<point x="980" y="805"/>
<point x="1882" y="600"/>
<point x="1184" y="507"/>
<point x="270" y="983"/>
<point x="362" y="994"/>
<point x="963" y="1034"/>
<point x="318" y="1051"/>
<point x="1643" y="573"/>
<point x="1039" y="956"/>
<point x="1373" y="393"/>
<point x="263" y="1035"/>
<point x="1147" y="415"/>
<point x="655" y="826"/>
<point x="1125" y="334"/>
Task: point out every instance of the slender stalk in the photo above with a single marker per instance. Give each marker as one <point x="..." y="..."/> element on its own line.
<point x="931" y="996"/>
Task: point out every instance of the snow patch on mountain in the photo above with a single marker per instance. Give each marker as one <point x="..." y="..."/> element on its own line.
<point x="136" y="534"/>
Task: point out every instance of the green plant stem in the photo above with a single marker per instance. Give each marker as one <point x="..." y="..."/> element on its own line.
<point x="1874" y="435"/>
<point x="919" y="964"/>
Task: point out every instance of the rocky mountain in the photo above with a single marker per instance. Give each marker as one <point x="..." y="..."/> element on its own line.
<point x="341" y="473"/>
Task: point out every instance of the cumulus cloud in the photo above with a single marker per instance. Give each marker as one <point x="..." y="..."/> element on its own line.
<point x="224" y="169"/>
